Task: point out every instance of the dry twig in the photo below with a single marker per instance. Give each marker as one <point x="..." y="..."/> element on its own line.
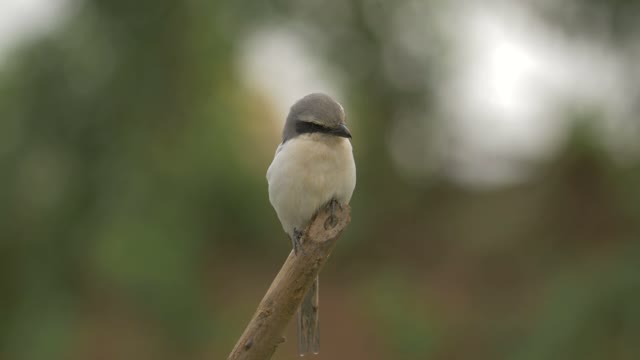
<point x="264" y="333"/>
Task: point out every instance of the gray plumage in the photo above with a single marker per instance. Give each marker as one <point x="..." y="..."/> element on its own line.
<point x="316" y="108"/>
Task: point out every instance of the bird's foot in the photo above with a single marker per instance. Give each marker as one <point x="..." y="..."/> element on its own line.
<point x="332" y="220"/>
<point x="295" y="240"/>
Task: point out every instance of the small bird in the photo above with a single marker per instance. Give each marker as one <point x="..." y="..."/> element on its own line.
<point x="312" y="166"/>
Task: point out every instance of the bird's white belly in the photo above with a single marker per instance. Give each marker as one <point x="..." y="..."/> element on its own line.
<point x="306" y="173"/>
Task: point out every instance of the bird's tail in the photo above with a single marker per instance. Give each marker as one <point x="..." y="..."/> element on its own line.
<point x="309" y="322"/>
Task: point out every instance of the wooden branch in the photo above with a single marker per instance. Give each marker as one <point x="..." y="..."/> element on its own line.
<point x="264" y="332"/>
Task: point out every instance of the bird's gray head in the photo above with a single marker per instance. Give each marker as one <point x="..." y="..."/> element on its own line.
<point x="315" y="113"/>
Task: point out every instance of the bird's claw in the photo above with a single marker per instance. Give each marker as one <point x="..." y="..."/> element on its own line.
<point x="295" y="240"/>
<point x="332" y="220"/>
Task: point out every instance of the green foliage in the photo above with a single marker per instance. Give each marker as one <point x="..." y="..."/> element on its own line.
<point x="401" y="316"/>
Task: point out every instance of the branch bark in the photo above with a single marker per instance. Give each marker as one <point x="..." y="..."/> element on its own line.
<point x="264" y="332"/>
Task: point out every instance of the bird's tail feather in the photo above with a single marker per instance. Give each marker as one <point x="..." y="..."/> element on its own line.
<point x="309" y="322"/>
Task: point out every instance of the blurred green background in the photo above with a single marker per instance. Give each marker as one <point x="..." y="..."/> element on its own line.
<point x="497" y="211"/>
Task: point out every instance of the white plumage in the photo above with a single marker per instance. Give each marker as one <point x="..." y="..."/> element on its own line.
<point x="306" y="173"/>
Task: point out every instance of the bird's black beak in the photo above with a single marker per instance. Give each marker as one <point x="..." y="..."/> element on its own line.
<point x="342" y="131"/>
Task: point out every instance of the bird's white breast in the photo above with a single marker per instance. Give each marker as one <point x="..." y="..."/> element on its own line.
<point x="307" y="172"/>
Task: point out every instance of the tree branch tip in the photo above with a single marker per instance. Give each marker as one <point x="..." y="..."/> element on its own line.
<point x="264" y="332"/>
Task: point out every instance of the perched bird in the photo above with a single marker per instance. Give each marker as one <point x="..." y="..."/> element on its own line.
<point x="312" y="166"/>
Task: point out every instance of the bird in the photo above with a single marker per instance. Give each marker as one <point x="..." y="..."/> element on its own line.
<point x="313" y="166"/>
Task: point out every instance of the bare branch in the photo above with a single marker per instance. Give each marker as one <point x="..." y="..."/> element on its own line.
<point x="264" y="333"/>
